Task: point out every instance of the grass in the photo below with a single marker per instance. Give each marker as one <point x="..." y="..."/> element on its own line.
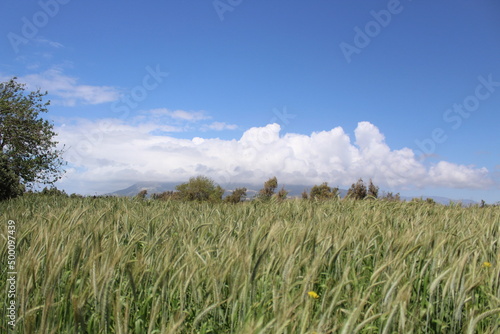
<point x="119" y="265"/>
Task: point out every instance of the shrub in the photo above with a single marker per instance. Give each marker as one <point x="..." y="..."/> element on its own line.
<point x="357" y="190"/>
<point x="166" y="195"/>
<point x="142" y="194"/>
<point x="269" y="188"/>
<point x="238" y="195"/>
<point x="323" y="192"/>
<point x="391" y="197"/>
<point x="53" y="191"/>
<point x="281" y="195"/>
<point x="372" y="190"/>
<point x="305" y="195"/>
<point x="200" y="188"/>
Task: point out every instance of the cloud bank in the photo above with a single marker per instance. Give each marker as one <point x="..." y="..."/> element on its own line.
<point x="106" y="155"/>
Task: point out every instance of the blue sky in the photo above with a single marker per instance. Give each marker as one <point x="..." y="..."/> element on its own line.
<point x="404" y="92"/>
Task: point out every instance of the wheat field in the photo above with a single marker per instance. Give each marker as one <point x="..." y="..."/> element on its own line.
<point x="118" y="265"/>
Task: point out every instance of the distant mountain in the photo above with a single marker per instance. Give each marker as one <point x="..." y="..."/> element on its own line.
<point x="252" y="190"/>
<point x="442" y="200"/>
<point x="152" y="187"/>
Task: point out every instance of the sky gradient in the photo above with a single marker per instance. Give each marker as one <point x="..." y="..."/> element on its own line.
<point x="404" y="92"/>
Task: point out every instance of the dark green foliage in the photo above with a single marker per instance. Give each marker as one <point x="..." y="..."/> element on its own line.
<point x="430" y="201"/>
<point x="281" y="195"/>
<point x="305" y="195"/>
<point x="391" y="197"/>
<point x="420" y="200"/>
<point x="10" y="187"/>
<point x="269" y="188"/>
<point x="26" y="139"/>
<point x="238" y="195"/>
<point x="200" y="188"/>
<point x="372" y="190"/>
<point x="53" y="191"/>
<point x="357" y="190"/>
<point x="166" y="195"/>
<point x="323" y="192"/>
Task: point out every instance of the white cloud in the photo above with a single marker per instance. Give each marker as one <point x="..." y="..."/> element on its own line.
<point x="45" y="41"/>
<point x="444" y="173"/>
<point x="190" y="116"/>
<point x="67" y="89"/>
<point x="219" y="126"/>
<point x="109" y="154"/>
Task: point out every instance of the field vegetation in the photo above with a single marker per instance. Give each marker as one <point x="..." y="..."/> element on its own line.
<point x="122" y="265"/>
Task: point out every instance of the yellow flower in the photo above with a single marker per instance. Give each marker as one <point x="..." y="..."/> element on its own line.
<point x="313" y="294"/>
<point x="486" y="264"/>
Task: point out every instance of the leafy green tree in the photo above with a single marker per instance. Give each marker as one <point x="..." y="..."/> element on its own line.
<point x="238" y="195"/>
<point x="200" y="188"/>
<point x="357" y="190"/>
<point x="10" y="186"/>
<point x="26" y="139"/>
<point x="269" y="188"/>
<point x="323" y="192"/>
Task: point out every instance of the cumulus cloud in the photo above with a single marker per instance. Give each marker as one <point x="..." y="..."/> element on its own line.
<point x="109" y="154"/>
<point x="67" y="89"/>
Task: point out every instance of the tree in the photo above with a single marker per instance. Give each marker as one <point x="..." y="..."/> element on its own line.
<point x="372" y="190"/>
<point x="269" y="188"/>
<point x="237" y="195"/>
<point x="305" y="195"/>
<point x="281" y="195"/>
<point x="142" y="194"/>
<point x="391" y="197"/>
<point x="200" y="188"/>
<point x="10" y="186"/>
<point x="53" y="191"/>
<point x="323" y="192"/>
<point x="357" y="190"/>
<point x="27" y="141"/>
